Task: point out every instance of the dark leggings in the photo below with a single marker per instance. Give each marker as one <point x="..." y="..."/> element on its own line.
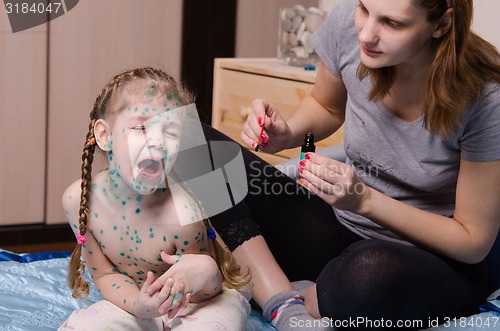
<point x="363" y="283"/>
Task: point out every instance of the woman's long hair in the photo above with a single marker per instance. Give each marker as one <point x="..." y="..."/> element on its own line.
<point x="463" y="64"/>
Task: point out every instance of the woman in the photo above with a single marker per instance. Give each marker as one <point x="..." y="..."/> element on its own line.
<point x="416" y="206"/>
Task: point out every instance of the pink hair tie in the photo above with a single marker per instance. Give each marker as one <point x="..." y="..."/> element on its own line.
<point x="449" y="3"/>
<point x="81" y="239"/>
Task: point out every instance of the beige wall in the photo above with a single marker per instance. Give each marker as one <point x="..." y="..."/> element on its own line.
<point x="257" y="26"/>
<point x="49" y="78"/>
<point x="486" y="20"/>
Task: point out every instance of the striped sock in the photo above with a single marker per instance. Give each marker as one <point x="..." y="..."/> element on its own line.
<point x="276" y="311"/>
<point x="286" y="311"/>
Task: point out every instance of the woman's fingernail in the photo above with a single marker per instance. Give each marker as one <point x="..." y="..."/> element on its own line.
<point x="264" y="138"/>
<point x="260" y="120"/>
<point x="307" y="156"/>
<point x="303" y="163"/>
<point x="300" y="170"/>
<point x="263" y="144"/>
<point x="253" y="145"/>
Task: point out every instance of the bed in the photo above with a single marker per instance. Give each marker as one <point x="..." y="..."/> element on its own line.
<point x="34" y="297"/>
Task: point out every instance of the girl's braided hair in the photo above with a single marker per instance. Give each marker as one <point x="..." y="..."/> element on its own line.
<point x="101" y="109"/>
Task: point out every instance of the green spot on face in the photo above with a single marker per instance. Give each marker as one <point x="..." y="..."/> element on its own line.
<point x="115" y="227"/>
<point x="138" y="210"/>
<point x="124" y="202"/>
<point x="176" y="237"/>
<point x="186" y="242"/>
<point x="96" y="215"/>
<point x="164" y="238"/>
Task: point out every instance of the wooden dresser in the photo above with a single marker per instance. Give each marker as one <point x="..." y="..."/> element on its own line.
<point x="238" y="81"/>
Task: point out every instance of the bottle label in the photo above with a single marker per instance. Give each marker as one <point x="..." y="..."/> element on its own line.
<point x="303" y="156"/>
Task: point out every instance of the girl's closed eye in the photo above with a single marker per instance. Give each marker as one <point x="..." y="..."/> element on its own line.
<point x="139" y="128"/>
<point x="171" y="133"/>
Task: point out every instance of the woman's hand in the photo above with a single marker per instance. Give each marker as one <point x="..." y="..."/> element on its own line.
<point x="276" y="135"/>
<point x="334" y="181"/>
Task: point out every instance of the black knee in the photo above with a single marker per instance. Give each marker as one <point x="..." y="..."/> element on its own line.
<point x="359" y="282"/>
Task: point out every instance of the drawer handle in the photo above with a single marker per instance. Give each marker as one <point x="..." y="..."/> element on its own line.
<point x="245" y="111"/>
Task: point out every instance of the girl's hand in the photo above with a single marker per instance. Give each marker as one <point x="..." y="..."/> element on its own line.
<point x="276" y="134"/>
<point x="334" y="181"/>
<point x="148" y="305"/>
<point x="169" y="296"/>
<point x="198" y="274"/>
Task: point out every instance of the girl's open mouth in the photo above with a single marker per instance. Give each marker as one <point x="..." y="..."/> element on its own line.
<point x="151" y="169"/>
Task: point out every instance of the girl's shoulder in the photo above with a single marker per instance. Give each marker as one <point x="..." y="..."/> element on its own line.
<point x="71" y="203"/>
<point x="71" y="195"/>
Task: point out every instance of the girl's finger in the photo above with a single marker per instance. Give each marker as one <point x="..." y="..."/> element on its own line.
<point x="165" y="291"/>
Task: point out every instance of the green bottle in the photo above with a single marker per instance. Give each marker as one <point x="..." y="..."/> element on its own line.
<point x="308" y="145"/>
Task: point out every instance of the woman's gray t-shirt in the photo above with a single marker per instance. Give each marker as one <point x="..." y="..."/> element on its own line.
<point x="401" y="159"/>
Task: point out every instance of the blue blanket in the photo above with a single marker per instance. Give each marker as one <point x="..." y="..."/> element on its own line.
<point x="34" y="295"/>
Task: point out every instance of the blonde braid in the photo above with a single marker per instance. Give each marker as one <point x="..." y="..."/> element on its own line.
<point x="76" y="266"/>
<point x="229" y="268"/>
